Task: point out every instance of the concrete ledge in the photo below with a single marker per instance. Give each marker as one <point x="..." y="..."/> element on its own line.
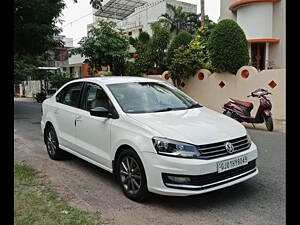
<point x="24" y="99"/>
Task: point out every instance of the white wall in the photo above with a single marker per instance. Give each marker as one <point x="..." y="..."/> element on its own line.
<point x="256" y="20"/>
<point x="76" y="59"/>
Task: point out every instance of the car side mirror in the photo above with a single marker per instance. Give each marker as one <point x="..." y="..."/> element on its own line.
<point x="100" y="112"/>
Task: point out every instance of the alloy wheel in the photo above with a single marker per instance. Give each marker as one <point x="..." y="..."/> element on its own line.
<point x="130" y="174"/>
<point x="51" y="143"/>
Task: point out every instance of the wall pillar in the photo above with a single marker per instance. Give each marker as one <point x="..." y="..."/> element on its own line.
<point x="267" y="56"/>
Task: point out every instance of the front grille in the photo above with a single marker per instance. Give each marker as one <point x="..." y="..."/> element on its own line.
<point x="216" y="150"/>
<point x="212" y="179"/>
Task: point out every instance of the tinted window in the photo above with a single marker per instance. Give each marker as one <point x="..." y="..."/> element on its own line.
<point x="70" y="95"/>
<point x="95" y="97"/>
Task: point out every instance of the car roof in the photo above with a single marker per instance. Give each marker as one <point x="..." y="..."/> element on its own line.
<point x="117" y="79"/>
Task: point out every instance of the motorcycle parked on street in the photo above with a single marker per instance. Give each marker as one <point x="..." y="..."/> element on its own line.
<point x="241" y="110"/>
<point x="40" y="96"/>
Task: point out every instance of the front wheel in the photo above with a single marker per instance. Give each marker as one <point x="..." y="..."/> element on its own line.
<point x="269" y="123"/>
<point x="131" y="176"/>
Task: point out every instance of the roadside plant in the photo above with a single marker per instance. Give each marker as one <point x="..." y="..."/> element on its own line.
<point x="182" y="38"/>
<point x="227" y="47"/>
<point x="158" y="46"/>
<point x="59" y="79"/>
<point x="187" y="60"/>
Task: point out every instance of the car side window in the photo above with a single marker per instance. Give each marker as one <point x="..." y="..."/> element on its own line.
<point x="95" y="97"/>
<point x="70" y="95"/>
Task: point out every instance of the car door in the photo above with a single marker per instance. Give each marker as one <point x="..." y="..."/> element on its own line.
<point x="67" y="101"/>
<point x="93" y="133"/>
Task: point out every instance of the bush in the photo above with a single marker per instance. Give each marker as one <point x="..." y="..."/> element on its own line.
<point x="132" y="69"/>
<point x="59" y="79"/>
<point x="144" y="37"/>
<point x="183" y="38"/>
<point x="227" y="47"/>
<point x="158" y="44"/>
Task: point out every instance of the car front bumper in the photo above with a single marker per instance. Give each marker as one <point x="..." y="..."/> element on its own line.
<point x="156" y="166"/>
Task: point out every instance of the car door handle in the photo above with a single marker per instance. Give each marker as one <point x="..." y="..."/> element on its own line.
<point x="56" y="111"/>
<point x="77" y="119"/>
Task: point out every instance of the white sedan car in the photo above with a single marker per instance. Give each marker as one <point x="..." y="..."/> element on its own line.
<point x="150" y="135"/>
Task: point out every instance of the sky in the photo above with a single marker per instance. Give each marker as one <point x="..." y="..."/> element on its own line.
<point x="76" y="16"/>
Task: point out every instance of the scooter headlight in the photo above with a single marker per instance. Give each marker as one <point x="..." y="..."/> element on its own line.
<point x="169" y="147"/>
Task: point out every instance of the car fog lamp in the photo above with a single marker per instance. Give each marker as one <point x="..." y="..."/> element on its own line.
<point x="179" y="179"/>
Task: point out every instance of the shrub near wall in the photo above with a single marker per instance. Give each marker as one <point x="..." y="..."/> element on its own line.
<point x="227" y="46"/>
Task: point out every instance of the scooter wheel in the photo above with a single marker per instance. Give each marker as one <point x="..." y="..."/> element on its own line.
<point x="269" y="123"/>
<point x="227" y="113"/>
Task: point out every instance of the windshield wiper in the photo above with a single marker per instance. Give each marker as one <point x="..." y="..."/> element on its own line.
<point x="164" y="109"/>
<point x="194" y="106"/>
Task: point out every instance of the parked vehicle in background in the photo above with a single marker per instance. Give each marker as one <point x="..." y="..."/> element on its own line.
<point x="40" y="96"/>
<point x="241" y="110"/>
<point x="150" y="135"/>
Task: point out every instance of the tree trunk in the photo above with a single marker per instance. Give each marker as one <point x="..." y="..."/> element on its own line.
<point x="202" y="13"/>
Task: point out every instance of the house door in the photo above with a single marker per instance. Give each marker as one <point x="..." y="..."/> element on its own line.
<point x="258" y="55"/>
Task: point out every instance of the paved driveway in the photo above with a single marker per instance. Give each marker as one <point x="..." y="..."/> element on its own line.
<point x="260" y="200"/>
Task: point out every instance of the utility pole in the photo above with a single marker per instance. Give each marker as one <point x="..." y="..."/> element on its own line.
<point x="202" y="12"/>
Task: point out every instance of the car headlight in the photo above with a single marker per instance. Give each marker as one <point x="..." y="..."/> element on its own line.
<point x="169" y="147"/>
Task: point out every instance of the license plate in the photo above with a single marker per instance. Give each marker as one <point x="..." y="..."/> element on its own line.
<point x="232" y="163"/>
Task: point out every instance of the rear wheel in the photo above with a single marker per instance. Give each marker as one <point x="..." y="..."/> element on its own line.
<point x="269" y="122"/>
<point x="52" y="144"/>
<point x="131" y="176"/>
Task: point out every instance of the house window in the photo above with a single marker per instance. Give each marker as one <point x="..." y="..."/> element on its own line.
<point x="130" y="33"/>
<point x="258" y="55"/>
<point x="140" y="30"/>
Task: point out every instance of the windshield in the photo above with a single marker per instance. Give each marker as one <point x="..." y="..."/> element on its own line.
<point x="143" y="97"/>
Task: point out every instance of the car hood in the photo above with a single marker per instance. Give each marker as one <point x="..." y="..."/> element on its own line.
<point x="196" y="126"/>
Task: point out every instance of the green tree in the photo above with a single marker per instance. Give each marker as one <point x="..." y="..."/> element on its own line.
<point x="179" y="20"/>
<point x="158" y="46"/>
<point x="104" y="45"/>
<point x="34" y="31"/>
<point x="182" y="38"/>
<point x="186" y="61"/>
<point x="141" y="57"/>
<point x="227" y="47"/>
<point x="34" y="25"/>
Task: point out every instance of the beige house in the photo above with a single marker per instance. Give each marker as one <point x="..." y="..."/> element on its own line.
<point x="263" y="22"/>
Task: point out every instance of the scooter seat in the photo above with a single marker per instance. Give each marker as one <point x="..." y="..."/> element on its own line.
<point x="243" y="103"/>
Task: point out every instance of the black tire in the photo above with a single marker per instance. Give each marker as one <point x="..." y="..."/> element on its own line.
<point x="52" y="144"/>
<point x="269" y="123"/>
<point x="227" y="113"/>
<point x="134" y="182"/>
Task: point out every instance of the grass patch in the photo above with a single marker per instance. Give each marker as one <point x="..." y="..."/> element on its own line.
<point x="35" y="203"/>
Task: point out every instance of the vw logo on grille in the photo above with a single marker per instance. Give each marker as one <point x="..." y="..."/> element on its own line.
<point x="229" y="147"/>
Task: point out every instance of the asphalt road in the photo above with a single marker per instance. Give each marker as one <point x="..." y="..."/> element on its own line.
<point x="260" y="200"/>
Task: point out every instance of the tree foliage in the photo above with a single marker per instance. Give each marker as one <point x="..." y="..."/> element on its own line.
<point x="186" y="61"/>
<point x="25" y="66"/>
<point x="59" y="79"/>
<point x="182" y="38"/>
<point x="227" y="46"/>
<point x="104" y="45"/>
<point x="34" y="25"/>
<point x="158" y="46"/>
<point x="179" y="20"/>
